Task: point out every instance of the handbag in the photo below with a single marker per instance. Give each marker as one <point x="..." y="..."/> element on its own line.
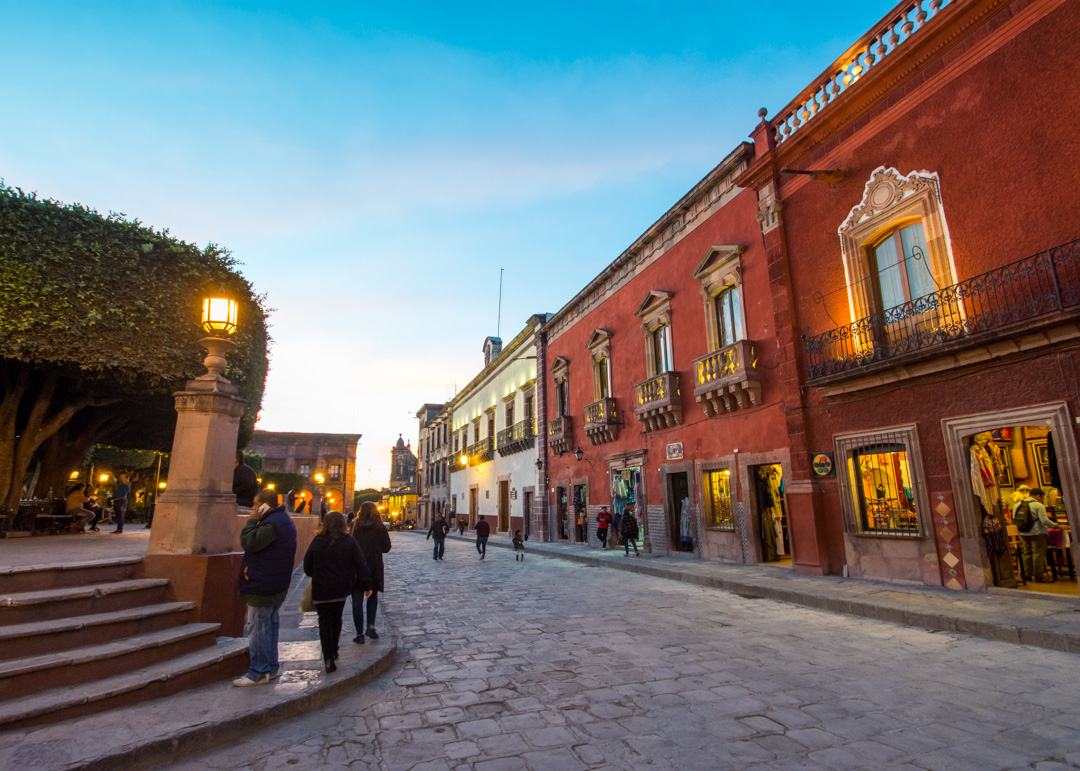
<point x="306" y="603"/>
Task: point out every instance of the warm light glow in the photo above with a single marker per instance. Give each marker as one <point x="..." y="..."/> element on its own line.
<point x="219" y="315"/>
<point x="161" y="485"/>
<point x="104" y="478"/>
<point x="74" y="475"/>
<point x="270" y="486"/>
<point x="464" y="459"/>
<point x="319" y="477"/>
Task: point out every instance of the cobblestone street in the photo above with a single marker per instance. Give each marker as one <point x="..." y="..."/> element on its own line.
<point x="551" y="665"/>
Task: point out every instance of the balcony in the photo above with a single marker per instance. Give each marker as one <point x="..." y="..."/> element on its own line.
<point x="482" y="451"/>
<point x="560" y="434"/>
<point x="1034" y="291"/>
<point x="602" y="421"/>
<point x="727" y="379"/>
<point x="520" y="436"/>
<point x="659" y="402"/>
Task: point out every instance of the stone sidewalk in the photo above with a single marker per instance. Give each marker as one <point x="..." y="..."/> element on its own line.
<point x="1044" y="621"/>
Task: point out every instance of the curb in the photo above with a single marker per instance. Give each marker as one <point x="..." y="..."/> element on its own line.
<point x="905" y="614"/>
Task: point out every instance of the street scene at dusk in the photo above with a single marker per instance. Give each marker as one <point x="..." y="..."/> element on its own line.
<point x="604" y="387"/>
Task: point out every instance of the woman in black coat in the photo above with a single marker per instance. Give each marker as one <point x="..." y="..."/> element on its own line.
<point x="374" y="541"/>
<point x="337" y="569"/>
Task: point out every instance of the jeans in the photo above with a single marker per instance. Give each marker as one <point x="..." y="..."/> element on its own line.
<point x="481" y="546"/>
<point x="329" y="627"/>
<point x="119" y="509"/>
<point x="601" y="533"/>
<point x="261" y="630"/>
<point x="1033" y="549"/>
<point x="627" y="543"/>
<point x="358" y="610"/>
<point x="440" y="547"/>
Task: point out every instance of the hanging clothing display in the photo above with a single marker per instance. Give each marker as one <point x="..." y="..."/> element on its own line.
<point x="684" y="522"/>
<point x="983" y="477"/>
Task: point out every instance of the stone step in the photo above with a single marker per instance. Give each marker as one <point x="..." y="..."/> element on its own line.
<point x="227" y="658"/>
<point x="49" y="604"/>
<point x="22" y="677"/>
<point x="40" y="637"/>
<point x="36" y="578"/>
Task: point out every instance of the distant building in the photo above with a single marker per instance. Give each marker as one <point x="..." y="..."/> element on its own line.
<point x="332" y="455"/>
<point x="401" y="494"/>
<point x="432" y="474"/>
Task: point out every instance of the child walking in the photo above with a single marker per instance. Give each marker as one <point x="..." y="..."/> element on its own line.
<point x="519" y="546"/>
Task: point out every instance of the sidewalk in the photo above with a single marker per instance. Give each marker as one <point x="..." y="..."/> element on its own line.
<point x="1008" y="616"/>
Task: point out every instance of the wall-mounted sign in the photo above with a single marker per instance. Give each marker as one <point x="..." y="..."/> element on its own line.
<point x="675" y="451"/>
<point x="823" y="465"/>
<point x="513" y="493"/>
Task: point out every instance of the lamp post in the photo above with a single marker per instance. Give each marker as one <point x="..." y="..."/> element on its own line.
<point x="194" y="530"/>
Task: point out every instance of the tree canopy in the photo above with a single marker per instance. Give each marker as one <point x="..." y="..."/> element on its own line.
<point x="100" y="320"/>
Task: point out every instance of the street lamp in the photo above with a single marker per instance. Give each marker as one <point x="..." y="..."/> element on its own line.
<point x="539" y="464"/>
<point x="464" y="459"/>
<point x="219" y="321"/>
<point x="578" y="453"/>
<point x="319" y="478"/>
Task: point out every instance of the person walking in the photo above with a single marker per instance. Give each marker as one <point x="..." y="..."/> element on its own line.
<point x="120" y="500"/>
<point x="337" y="568"/>
<point x="438" y="531"/>
<point x="483" y="530"/>
<point x="628" y="529"/>
<point x="519" y="546"/>
<point x="1032" y="522"/>
<point x="245" y="483"/>
<point x="269" y="543"/>
<point x="370" y="533"/>
<point x="603" y="522"/>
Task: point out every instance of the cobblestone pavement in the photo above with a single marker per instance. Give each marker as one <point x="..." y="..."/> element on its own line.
<point x="550" y="665"/>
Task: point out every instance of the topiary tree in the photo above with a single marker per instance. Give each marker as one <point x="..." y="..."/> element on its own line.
<point x="98" y="326"/>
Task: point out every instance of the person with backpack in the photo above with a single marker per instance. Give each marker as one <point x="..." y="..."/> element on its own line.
<point x="438" y="531"/>
<point x="628" y="529"/>
<point x="1032" y="522"/>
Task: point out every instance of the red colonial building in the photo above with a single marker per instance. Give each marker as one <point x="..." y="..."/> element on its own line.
<point x="856" y="339"/>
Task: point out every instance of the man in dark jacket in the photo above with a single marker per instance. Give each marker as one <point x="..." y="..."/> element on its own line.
<point x="245" y="484"/>
<point x="483" y="530"/>
<point x="438" y="531"/>
<point x="269" y="541"/>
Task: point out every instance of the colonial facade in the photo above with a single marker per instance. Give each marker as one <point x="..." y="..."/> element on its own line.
<point x="401" y="494"/>
<point x="432" y="471"/>
<point x="493" y="460"/>
<point x="847" y="347"/>
<point x="333" y="456"/>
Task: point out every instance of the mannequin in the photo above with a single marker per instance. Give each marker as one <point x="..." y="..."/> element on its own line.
<point x="684" y="523"/>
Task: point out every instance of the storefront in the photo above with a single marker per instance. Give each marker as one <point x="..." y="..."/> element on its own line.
<point x="628" y="492"/>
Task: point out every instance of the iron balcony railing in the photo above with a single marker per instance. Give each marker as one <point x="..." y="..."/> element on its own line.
<point x="1035" y="286"/>
<point x="523" y="429"/>
<point x="485" y="445"/>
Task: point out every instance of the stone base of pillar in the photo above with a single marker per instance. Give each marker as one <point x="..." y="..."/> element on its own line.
<point x="194" y="522"/>
<point x="208" y="580"/>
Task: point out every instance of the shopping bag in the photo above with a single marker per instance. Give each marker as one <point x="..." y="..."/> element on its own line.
<point x="306" y="605"/>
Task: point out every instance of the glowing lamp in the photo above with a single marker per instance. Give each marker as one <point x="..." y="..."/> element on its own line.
<point x="270" y="486"/>
<point x="73" y="475"/>
<point x="103" y="478"/>
<point x="219" y="315"/>
<point x="161" y="485"/>
<point x="319" y="477"/>
<point x="464" y="459"/>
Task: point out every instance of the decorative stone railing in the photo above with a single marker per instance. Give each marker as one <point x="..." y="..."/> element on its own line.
<point x="659" y="401"/>
<point x="892" y="32"/>
<point x="727" y="379"/>
<point x="560" y="434"/>
<point x="601" y="421"/>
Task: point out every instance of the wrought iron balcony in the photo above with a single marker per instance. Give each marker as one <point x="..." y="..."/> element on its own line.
<point x="601" y="421"/>
<point x="659" y="401"/>
<point x="560" y="434"/>
<point x="980" y="308"/>
<point x="482" y="451"/>
<point x="520" y="436"/>
<point x="727" y="379"/>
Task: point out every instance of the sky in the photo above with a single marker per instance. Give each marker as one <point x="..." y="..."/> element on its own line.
<point x="374" y="165"/>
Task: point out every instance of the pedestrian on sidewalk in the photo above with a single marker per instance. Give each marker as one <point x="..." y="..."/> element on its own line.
<point x="628" y="529"/>
<point x="120" y="500"/>
<point x="438" y="531"/>
<point x="461" y="525"/>
<point x="519" y="546"/>
<point x="483" y="530"/>
<point x="245" y="483"/>
<point x="1033" y="526"/>
<point x="603" y="521"/>
<point x="370" y="533"/>
<point x="269" y="543"/>
<point x="337" y="569"/>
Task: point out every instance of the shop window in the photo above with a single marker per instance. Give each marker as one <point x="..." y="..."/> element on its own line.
<point x="717" y="488"/>
<point x="881" y="486"/>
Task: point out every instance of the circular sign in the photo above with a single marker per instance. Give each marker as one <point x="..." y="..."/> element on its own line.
<point x="822" y="464"/>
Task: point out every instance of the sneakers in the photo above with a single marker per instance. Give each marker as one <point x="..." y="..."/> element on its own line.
<point x="245" y="681"/>
<point x="359" y="639"/>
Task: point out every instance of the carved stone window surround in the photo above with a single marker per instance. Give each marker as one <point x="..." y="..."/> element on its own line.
<point x="655" y="312"/>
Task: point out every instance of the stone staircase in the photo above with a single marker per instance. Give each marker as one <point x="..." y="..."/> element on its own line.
<point x="78" y="639"/>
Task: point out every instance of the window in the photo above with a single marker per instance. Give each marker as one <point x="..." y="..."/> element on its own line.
<point x="717" y="487"/>
<point x="335" y="471"/>
<point x="899" y="262"/>
<point x="603" y="378"/>
<point x="728" y="309"/>
<point x="509" y="417"/>
<point x="881" y="487"/>
<point x="562" y="398"/>
<point x="476" y="431"/>
<point x="655" y="312"/>
<point x="305" y="469"/>
<point x="528" y="407"/>
<point x="491" y="425"/>
<point x="661" y="343"/>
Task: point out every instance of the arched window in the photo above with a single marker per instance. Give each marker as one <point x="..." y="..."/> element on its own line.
<point x="728" y="316"/>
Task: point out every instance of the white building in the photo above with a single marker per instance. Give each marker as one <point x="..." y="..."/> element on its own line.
<point x="493" y="467"/>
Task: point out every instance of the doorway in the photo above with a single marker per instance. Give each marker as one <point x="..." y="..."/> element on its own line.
<point x="680" y="528"/>
<point x="527" y="506"/>
<point x="562" y="513"/>
<point x="581" y="514"/>
<point x="504" y="506"/>
<point x="626" y="493"/>
<point x="772" y="530"/>
<point x="474" y="505"/>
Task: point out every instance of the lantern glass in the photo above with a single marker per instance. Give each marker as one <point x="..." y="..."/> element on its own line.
<point x="219" y="315"/>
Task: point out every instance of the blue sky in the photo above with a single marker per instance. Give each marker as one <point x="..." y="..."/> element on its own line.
<point x="373" y="165"/>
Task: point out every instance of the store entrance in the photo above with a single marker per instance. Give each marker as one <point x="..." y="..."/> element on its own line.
<point x="562" y="513"/>
<point x="772" y="531"/>
<point x="581" y="514"/>
<point x="474" y="506"/>
<point x="680" y="528"/>
<point x="626" y="494"/>
<point x="504" y="507"/>
<point x="1010" y="467"/>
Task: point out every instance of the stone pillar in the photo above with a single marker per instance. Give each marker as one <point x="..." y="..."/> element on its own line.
<point x="194" y="532"/>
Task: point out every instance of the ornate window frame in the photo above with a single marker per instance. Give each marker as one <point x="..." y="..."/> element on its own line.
<point x="655" y="312"/>
<point x="720" y="269"/>
<point x="599" y="346"/>
<point x="891" y="199"/>
<point x="560" y="376"/>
